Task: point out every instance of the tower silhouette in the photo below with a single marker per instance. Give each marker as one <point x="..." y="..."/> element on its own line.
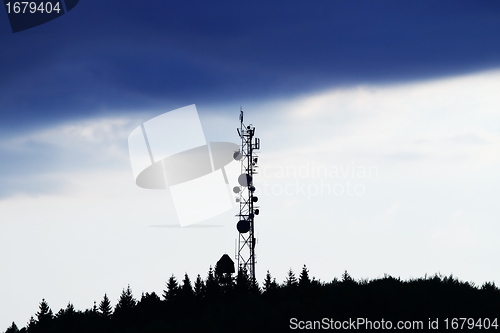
<point x="246" y="198"/>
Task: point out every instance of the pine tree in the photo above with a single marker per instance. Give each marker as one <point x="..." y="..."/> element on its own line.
<point x="212" y="284"/>
<point x="126" y="301"/>
<point x="70" y="309"/>
<point x="44" y="311"/>
<point x="304" y="280"/>
<point x="254" y="286"/>
<point x="199" y="287"/>
<point x="291" y="280"/>
<point x="274" y="284"/>
<point x="172" y="289"/>
<point x="44" y="314"/>
<point x="243" y="282"/>
<point x="60" y="313"/>
<point x="105" y="308"/>
<point x="186" y="289"/>
<point x="32" y="323"/>
<point x="269" y="283"/>
<point x="346" y="278"/>
<point x="150" y="300"/>
<point x="12" y="329"/>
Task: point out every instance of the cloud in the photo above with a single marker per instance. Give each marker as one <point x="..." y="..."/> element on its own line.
<point x="170" y="54"/>
<point x="428" y="126"/>
<point x="443" y="123"/>
<point x="33" y="163"/>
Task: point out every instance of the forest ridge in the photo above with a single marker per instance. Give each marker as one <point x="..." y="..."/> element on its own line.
<point x="223" y="302"/>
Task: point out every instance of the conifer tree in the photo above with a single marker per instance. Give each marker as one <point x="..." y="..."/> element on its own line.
<point x="172" y="289"/>
<point x="60" y="313"/>
<point x="254" y="286"/>
<point x="274" y="284"/>
<point x="12" y="329"/>
<point x="105" y="308"/>
<point x="44" y="313"/>
<point x="304" y="280"/>
<point x="346" y="278"/>
<point x="126" y="301"/>
<point x="212" y="284"/>
<point x="70" y="309"/>
<point x="243" y="283"/>
<point x="199" y="287"/>
<point x="31" y="323"/>
<point x="269" y="283"/>
<point x="291" y="280"/>
<point x="150" y="299"/>
<point x="186" y="289"/>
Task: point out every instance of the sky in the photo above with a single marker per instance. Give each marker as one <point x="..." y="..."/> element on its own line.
<point x="379" y="130"/>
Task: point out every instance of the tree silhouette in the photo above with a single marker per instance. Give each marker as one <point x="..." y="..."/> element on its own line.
<point x="489" y="286"/>
<point x="291" y="280"/>
<point x="254" y="286"/>
<point x="199" y="287"/>
<point x="270" y="284"/>
<point x="31" y="323"/>
<point x="346" y="278"/>
<point x="12" y="329"/>
<point x="68" y="312"/>
<point x="172" y="289"/>
<point x="124" y="315"/>
<point x="186" y="289"/>
<point x="125" y="305"/>
<point x="243" y="283"/>
<point x="44" y="313"/>
<point x="387" y="297"/>
<point x="267" y="282"/>
<point x="212" y="284"/>
<point x="149" y="308"/>
<point x="70" y="309"/>
<point x="304" y="280"/>
<point x="150" y="299"/>
<point x="105" y="308"/>
<point x="127" y="300"/>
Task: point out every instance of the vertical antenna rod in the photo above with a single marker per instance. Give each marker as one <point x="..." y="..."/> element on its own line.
<point x="246" y="198"/>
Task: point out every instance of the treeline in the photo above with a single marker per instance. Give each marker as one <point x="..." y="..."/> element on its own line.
<point x="224" y="302"/>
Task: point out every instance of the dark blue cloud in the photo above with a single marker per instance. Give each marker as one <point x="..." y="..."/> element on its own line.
<point x="113" y="55"/>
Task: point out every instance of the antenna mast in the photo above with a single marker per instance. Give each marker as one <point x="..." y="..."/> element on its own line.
<point x="246" y="198"/>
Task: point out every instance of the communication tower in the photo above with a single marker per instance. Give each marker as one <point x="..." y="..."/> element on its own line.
<point x="245" y="196"/>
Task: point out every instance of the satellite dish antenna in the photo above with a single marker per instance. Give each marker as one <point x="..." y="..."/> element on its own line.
<point x="237" y="155"/>
<point x="243" y="226"/>
<point x="245" y="179"/>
